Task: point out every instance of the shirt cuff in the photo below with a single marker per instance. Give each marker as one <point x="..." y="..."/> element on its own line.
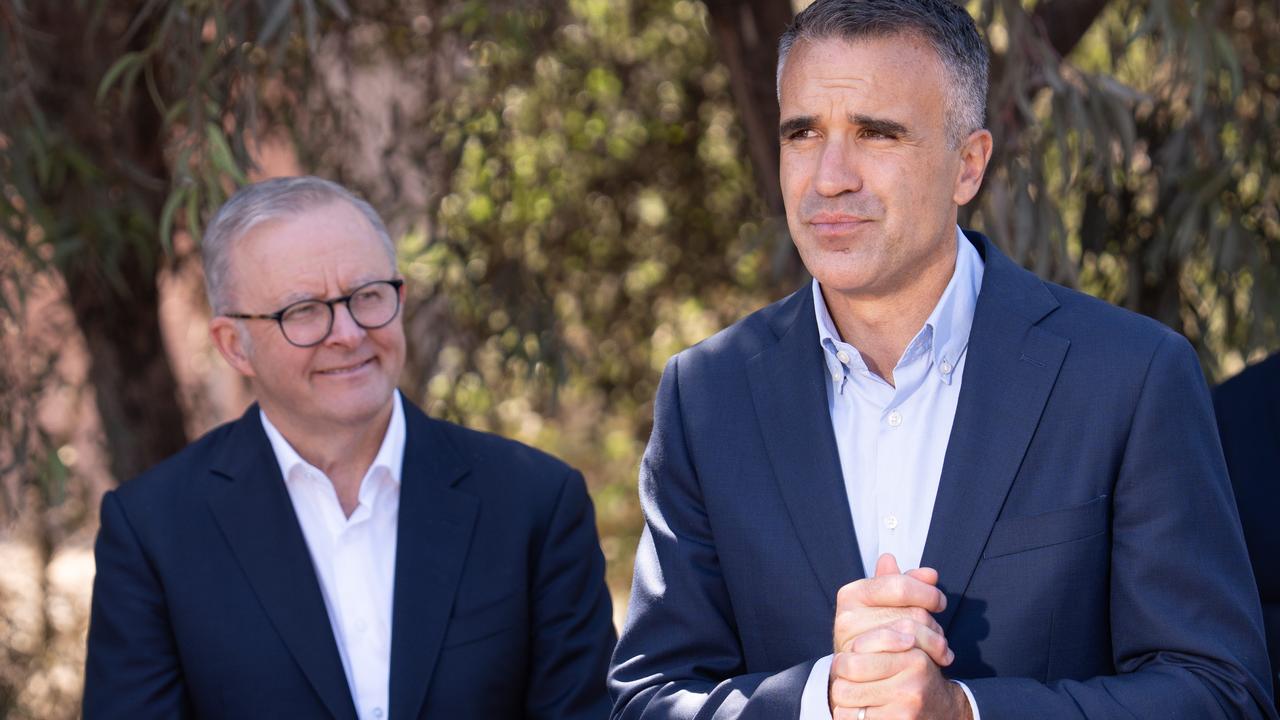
<point x="814" y="703"/>
<point x="973" y="704"/>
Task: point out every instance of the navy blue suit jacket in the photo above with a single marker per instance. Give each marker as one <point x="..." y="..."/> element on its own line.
<point x="1248" y="407"/>
<point x="1084" y="531"/>
<point x="206" y="604"/>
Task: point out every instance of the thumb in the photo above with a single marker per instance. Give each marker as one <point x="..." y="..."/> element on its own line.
<point x="887" y="565"/>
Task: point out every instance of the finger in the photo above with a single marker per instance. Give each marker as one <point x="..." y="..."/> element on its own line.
<point x="851" y="623"/>
<point x="890" y="638"/>
<point x="891" y="591"/>
<point x="925" y="575"/>
<point x="847" y="713"/>
<point x="877" y="675"/>
<point x="846" y="695"/>
<point x="887" y="564"/>
<point x="902" y="635"/>
<point x="913" y="692"/>
<point x="869" y="667"/>
<point x="928" y="638"/>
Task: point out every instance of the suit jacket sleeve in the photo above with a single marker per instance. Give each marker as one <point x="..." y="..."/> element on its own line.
<point x="1185" y="622"/>
<point x="571" y="615"/>
<point x="132" y="670"/>
<point x="680" y="654"/>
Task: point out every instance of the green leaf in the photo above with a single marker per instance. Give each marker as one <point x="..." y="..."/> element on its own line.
<point x="220" y="154"/>
<point x="166" y="217"/>
<point x="130" y="62"/>
<point x="174" y="111"/>
<point x="193" y="215"/>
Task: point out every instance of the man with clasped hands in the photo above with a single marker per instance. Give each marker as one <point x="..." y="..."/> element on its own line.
<point x="1043" y="466"/>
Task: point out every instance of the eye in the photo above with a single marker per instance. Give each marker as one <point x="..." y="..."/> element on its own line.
<point x="875" y="132"/>
<point x="302" y="312"/>
<point x="802" y="134"/>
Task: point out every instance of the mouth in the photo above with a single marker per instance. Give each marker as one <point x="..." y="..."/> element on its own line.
<point x="830" y="224"/>
<point x="346" y="369"/>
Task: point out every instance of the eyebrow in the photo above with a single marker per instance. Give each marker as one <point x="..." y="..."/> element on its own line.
<point x="298" y="296"/>
<point x="883" y="126"/>
<point x="795" y="124"/>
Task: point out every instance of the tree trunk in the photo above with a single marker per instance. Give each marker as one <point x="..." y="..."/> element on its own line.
<point x="108" y="214"/>
<point x="747" y="35"/>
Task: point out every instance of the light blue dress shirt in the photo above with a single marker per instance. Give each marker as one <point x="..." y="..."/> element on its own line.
<point x="892" y="438"/>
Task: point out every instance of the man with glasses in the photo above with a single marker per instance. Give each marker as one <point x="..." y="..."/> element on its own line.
<point x="335" y="552"/>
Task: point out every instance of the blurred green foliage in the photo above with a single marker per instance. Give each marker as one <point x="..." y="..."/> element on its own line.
<point x="1144" y="166"/>
<point x="569" y="184"/>
<point x="600" y="218"/>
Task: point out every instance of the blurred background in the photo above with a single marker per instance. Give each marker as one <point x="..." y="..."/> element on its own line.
<point x="579" y="189"/>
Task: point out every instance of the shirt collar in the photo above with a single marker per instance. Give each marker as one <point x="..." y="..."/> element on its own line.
<point x="390" y="457"/>
<point x="945" y="331"/>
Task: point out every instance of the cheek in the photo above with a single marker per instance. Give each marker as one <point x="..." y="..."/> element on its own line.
<point x="793" y="174"/>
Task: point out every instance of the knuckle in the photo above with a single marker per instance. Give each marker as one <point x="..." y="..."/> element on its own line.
<point x="852" y="593"/>
<point x="917" y="660"/>
<point x="897" y="590"/>
<point x="842" y="665"/>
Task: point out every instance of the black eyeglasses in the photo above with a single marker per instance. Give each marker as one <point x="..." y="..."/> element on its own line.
<point x="308" y="322"/>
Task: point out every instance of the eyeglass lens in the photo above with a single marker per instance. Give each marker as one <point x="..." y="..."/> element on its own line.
<point x="371" y="306"/>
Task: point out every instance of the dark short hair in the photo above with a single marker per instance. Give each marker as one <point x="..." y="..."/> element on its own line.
<point x="943" y="24"/>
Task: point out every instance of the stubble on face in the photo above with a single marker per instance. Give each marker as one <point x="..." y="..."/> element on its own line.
<point x="866" y="166"/>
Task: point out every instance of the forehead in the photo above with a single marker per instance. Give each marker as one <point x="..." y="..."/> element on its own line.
<point x="315" y="252"/>
<point x="872" y="71"/>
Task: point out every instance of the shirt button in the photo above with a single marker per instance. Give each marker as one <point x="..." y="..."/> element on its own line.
<point x="377" y="712"/>
<point x="946" y="368"/>
<point x="895" y="419"/>
<point x="891" y="521"/>
<point x="843" y="357"/>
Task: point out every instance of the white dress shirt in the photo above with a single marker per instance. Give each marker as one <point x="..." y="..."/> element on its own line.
<point x="892" y="439"/>
<point x="354" y="557"/>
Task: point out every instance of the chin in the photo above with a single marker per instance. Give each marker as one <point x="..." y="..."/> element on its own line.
<point x="357" y="407"/>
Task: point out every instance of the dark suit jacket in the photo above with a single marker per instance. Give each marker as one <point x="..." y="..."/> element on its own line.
<point x="1084" y="530"/>
<point x="1248" y="408"/>
<point x="206" y="604"/>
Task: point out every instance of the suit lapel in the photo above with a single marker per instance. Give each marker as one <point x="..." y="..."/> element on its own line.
<point x="1011" y="368"/>
<point x="256" y="516"/>
<point x="788" y="390"/>
<point x="434" y="533"/>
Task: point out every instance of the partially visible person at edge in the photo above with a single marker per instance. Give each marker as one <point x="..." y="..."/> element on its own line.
<point x="1248" y="410"/>
<point x="335" y="553"/>
<point x="929" y="484"/>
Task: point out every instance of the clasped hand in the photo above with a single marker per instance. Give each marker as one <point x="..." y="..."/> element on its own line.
<point x="889" y="650"/>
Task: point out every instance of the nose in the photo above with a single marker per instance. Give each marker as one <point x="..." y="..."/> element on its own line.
<point x="837" y="171"/>
<point x="345" y="332"/>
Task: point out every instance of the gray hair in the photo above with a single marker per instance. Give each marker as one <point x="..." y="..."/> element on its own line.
<point x="254" y="204"/>
<point x="943" y="24"/>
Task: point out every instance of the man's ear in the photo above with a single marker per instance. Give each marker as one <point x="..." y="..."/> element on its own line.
<point x="975" y="153"/>
<point x="226" y="336"/>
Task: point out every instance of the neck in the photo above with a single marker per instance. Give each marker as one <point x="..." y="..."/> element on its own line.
<point x="343" y="454"/>
<point x="881" y="325"/>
